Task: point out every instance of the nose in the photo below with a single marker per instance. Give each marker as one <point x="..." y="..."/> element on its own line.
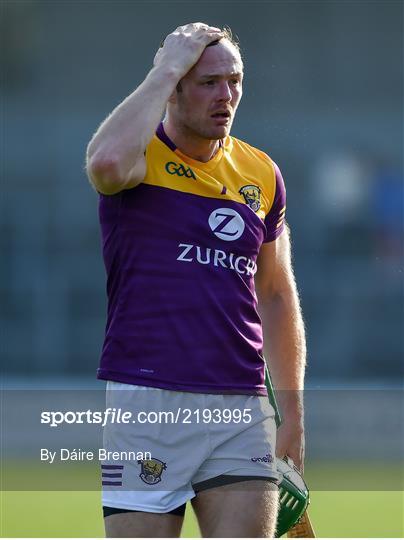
<point x="225" y="93"/>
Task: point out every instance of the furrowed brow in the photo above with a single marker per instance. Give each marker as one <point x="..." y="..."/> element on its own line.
<point x="219" y="76"/>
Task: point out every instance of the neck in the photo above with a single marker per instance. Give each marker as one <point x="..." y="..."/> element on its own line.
<point x="189" y="143"/>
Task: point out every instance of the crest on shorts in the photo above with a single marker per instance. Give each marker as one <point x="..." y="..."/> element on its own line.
<point x="252" y="196"/>
<point x="151" y="470"/>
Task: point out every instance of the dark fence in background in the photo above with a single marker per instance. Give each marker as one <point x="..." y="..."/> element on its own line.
<point x="322" y="96"/>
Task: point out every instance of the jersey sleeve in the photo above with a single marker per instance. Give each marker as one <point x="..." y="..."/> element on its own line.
<point x="275" y="219"/>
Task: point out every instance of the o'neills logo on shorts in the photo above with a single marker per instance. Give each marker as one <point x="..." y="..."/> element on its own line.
<point x="216" y="257"/>
<point x="266" y="459"/>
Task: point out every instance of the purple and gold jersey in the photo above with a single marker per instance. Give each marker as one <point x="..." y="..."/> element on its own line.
<point x="180" y="251"/>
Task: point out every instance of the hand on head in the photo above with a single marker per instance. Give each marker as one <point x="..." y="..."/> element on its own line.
<point x="182" y="48"/>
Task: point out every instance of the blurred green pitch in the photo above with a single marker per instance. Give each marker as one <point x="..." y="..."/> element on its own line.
<point x="341" y="514"/>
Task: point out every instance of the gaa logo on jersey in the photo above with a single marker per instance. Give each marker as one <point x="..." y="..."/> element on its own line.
<point x="226" y="224"/>
<point x="252" y="196"/>
<point x="151" y="470"/>
<point x="179" y="170"/>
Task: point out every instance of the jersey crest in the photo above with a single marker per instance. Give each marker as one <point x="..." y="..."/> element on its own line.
<point x="252" y="196"/>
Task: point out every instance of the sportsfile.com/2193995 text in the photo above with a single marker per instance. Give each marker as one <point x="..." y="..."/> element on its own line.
<point x="114" y="415"/>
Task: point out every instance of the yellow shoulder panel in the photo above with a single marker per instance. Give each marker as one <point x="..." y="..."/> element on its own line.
<point x="238" y="172"/>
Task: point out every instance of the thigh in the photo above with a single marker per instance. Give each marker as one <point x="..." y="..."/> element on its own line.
<point x="243" y="509"/>
<point x="143" y="525"/>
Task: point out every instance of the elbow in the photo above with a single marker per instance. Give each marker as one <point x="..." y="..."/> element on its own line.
<point x="277" y="296"/>
<point x="105" y="175"/>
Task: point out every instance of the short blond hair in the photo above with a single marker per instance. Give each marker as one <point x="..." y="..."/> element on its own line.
<point x="227" y="34"/>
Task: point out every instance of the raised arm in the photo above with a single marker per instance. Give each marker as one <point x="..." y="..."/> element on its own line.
<point x="115" y="155"/>
<point x="284" y="341"/>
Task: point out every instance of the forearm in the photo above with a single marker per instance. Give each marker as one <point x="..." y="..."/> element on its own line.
<point x="116" y="153"/>
<point x="121" y="140"/>
<point x="285" y="349"/>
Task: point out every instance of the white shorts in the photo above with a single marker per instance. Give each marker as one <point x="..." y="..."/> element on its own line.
<point x="174" y="443"/>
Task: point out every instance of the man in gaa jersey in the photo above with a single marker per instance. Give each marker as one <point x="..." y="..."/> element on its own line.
<point x="199" y="273"/>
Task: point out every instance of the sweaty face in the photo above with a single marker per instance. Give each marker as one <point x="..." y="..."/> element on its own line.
<point x="210" y="92"/>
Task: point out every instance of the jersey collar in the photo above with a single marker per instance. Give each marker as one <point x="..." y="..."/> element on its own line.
<point x="207" y="166"/>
